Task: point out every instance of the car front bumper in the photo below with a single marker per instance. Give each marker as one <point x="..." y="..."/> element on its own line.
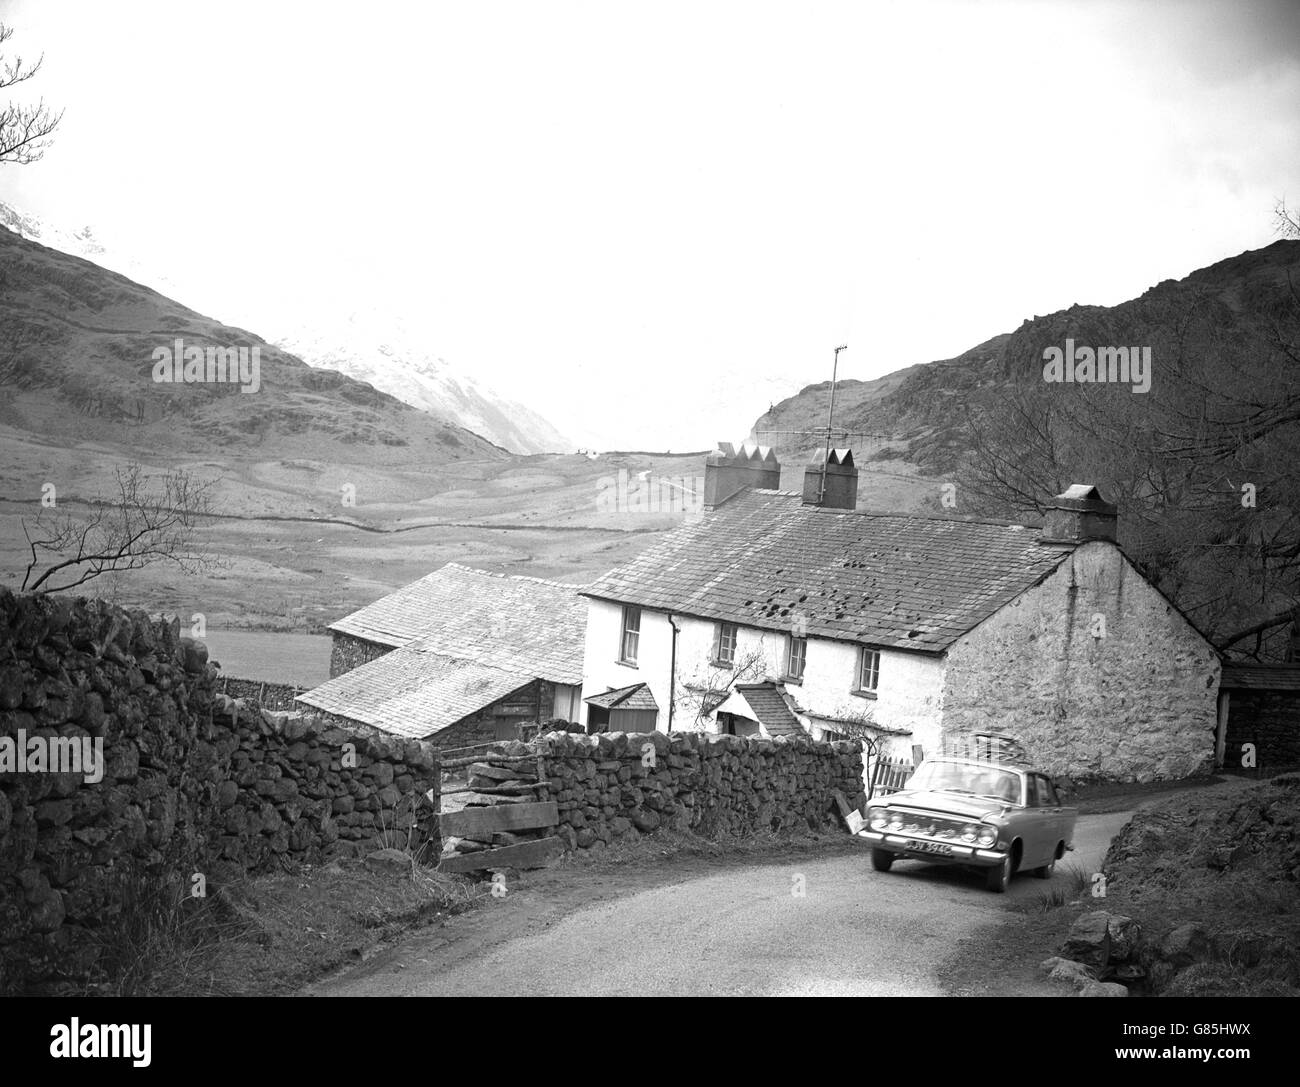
<point x="915" y="849"/>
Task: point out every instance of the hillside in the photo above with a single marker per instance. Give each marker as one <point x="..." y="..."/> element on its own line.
<point x="77" y="347"/>
<point x="373" y="348"/>
<point x="920" y="410"/>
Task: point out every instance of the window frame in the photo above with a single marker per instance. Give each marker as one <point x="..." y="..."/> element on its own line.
<point x="626" y="630"/>
<point x="791" y="675"/>
<point x="865" y="653"/>
<point x="719" y="630"/>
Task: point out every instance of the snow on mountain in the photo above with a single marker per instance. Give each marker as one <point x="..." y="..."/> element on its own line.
<point x="374" y="347"/>
<point x="380" y="349"/>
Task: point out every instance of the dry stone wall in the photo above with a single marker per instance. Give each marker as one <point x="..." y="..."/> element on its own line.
<point x="618" y="786"/>
<point x="189" y="781"/>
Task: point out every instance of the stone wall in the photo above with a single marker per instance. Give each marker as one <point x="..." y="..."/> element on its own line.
<point x="192" y="782"/>
<point x="347" y="652"/>
<point x="1097" y="674"/>
<point x="270" y="696"/>
<point x="301" y="789"/>
<point x="617" y="786"/>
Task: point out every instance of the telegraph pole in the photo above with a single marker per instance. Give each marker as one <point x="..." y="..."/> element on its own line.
<point x="830" y="421"/>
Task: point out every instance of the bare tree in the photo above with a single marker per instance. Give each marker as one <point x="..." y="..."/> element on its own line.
<point x="151" y="519"/>
<point x="709" y="691"/>
<point x="1287" y="221"/>
<point x="1202" y="466"/>
<point x="25" y="130"/>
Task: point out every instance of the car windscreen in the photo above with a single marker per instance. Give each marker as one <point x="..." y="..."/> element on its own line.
<point x="959" y="777"/>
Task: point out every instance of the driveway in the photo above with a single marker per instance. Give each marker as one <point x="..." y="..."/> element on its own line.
<point x="819" y="922"/>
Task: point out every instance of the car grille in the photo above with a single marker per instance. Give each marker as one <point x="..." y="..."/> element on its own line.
<point x="932" y="826"/>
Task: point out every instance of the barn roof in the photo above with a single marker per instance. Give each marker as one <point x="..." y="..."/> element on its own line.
<point x="414" y="691"/>
<point x="523" y="625"/>
<point x="1261" y="677"/>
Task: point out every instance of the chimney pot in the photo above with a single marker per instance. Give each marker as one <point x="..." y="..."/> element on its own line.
<point x="729" y="470"/>
<point x="841" y="478"/>
<point x="1079" y="514"/>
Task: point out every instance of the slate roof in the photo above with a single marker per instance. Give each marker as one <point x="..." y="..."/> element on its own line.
<point x="636" y="697"/>
<point x="902" y="581"/>
<point x="518" y="624"/>
<point x="1261" y="677"/>
<point x="414" y="691"/>
<point x="773" y="711"/>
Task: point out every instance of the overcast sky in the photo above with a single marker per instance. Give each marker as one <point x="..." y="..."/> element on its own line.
<point x="649" y="220"/>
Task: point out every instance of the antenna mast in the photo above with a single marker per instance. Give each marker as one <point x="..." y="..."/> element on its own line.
<point x="830" y="421"/>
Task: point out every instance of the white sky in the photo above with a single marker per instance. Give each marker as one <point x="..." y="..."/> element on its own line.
<point x="649" y="220"/>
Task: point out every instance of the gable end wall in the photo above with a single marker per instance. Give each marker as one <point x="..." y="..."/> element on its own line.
<point x="1138" y="704"/>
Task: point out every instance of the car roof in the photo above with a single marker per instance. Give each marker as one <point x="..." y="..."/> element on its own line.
<point x="988" y="764"/>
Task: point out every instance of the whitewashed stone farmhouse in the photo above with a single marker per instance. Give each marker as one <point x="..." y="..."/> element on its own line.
<point x="778" y="611"/>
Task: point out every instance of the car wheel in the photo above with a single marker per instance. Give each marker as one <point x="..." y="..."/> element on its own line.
<point x="1045" y="872"/>
<point x="881" y="860"/>
<point x="997" y="878"/>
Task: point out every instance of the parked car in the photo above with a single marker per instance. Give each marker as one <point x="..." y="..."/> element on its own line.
<point x="982" y="814"/>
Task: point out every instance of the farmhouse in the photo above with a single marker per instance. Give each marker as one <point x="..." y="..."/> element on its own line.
<point x="459" y="657"/>
<point x="780" y="610"/>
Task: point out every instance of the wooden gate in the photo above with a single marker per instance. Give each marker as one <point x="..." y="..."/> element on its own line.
<point x="507" y="820"/>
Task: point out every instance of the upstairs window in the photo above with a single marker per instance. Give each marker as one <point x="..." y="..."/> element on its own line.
<point x="630" y="638"/>
<point x="868" y="670"/>
<point x="724" y="644"/>
<point x="796" y="653"/>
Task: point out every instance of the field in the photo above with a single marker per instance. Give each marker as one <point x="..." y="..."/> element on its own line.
<point x="300" y="543"/>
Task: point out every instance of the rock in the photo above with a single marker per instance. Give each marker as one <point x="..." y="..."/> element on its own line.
<point x="1125" y="938"/>
<point x="390" y="862"/>
<point x="1089" y="940"/>
<point x="1103" y="988"/>
<point x="646" y="821"/>
<point x="1185" y="945"/>
<point x="194" y="655"/>
<point x="1067" y="970"/>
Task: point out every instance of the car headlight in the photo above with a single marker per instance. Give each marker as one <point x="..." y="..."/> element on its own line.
<point x="969" y="832"/>
<point x="879" y="819"/>
<point x="986" y="836"/>
<point x="895" y="821"/>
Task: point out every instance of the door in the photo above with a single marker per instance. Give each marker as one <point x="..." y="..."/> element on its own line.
<point x="1051" y="819"/>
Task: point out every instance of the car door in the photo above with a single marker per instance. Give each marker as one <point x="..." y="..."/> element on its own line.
<point x="1053" y="816"/>
<point x="1036" y="831"/>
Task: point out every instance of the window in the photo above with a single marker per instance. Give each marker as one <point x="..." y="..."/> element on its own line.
<point x="631" y="636"/>
<point x="868" y="670"/>
<point x="1041" y="792"/>
<point x="795" y="654"/>
<point x="724" y="644"/>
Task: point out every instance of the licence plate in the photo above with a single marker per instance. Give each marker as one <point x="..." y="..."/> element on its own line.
<point x="942" y="848"/>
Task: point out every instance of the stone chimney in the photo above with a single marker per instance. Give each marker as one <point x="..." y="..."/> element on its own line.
<point x="1079" y="514"/>
<point x="730" y="470"/>
<point x="841" y="481"/>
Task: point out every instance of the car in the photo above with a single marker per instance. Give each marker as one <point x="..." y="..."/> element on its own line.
<point x="995" y="816"/>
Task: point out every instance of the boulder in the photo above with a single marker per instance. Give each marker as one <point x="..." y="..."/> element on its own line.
<point x="391" y="862"/>
<point x="1089" y="940"/>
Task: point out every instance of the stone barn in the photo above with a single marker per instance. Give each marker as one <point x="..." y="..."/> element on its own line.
<point x="460" y="657"/>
